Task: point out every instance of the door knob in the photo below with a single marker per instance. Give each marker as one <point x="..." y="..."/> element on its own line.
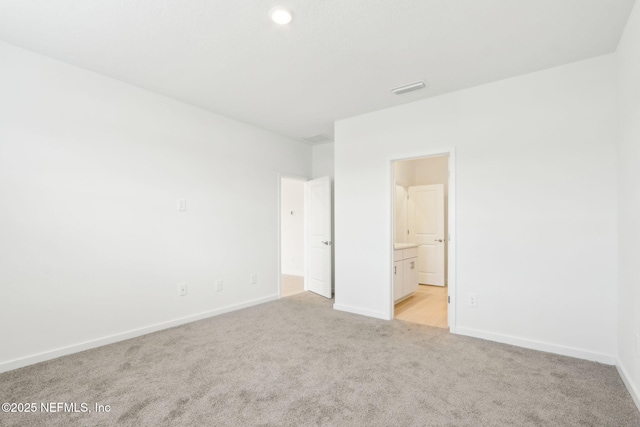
<point x="327" y="242"/>
<point x="438" y="240"/>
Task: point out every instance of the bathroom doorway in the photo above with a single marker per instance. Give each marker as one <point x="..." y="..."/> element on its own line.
<point x="421" y="237"/>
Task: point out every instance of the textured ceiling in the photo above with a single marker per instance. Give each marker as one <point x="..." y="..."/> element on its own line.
<point x="337" y="58"/>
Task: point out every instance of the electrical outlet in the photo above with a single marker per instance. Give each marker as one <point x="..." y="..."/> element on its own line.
<point x="218" y="285"/>
<point x="182" y="205"/>
<point x="473" y="300"/>
<point x="254" y="278"/>
<point x="182" y="289"/>
<point x="637" y="346"/>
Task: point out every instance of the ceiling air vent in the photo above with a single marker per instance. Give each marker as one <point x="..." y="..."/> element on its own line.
<point x="318" y="139"/>
<point x="408" y="88"/>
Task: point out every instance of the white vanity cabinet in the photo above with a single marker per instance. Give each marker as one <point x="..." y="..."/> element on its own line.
<point x="398" y="274"/>
<point x="405" y="270"/>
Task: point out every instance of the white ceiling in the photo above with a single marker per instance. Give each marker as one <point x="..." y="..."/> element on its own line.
<point x="338" y="58"/>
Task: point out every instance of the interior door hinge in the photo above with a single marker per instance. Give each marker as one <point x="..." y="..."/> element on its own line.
<point x="407" y="197"/>
<point x="448" y="300"/>
<point x="407" y="231"/>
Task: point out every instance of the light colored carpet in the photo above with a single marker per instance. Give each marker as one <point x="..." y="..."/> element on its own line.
<point x="297" y="362"/>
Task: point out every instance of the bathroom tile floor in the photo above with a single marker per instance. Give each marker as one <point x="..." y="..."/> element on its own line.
<point x="427" y="306"/>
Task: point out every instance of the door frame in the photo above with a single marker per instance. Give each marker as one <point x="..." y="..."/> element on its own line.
<point x="282" y="175"/>
<point x="451" y="247"/>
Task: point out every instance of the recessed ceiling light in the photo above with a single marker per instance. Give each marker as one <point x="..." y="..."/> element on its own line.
<point x="280" y="16"/>
<point x="408" y="88"/>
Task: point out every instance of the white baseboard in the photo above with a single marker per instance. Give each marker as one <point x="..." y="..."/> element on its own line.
<point x="539" y="345"/>
<point x="75" y="348"/>
<point x="633" y="391"/>
<point x="361" y="311"/>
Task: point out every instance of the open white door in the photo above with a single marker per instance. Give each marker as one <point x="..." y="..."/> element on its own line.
<point x="319" y="244"/>
<point x="425" y="212"/>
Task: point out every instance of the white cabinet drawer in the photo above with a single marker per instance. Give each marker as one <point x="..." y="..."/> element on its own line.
<point x="409" y="253"/>
<point x="400" y="254"/>
<point x="405" y="272"/>
<point x="409" y="276"/>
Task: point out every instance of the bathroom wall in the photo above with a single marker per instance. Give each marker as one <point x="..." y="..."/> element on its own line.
<point x="400" y="214"/>
<point x="403" y="176"/>
<point x="404" y="173"/>
<point x="432" y="170"/>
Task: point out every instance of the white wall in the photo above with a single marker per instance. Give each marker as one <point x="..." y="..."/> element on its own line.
<point x="404" y="173"/>
<point x="628" y="56"/>
<point x="92" y="245"/>
<point x="400" y="215"/>
<point x="432" y="170"/>
<point x="536" y="205"/>
<point x="404" y="177"/>
<point x="292" y="226"/>
<point x="323" y="160"/>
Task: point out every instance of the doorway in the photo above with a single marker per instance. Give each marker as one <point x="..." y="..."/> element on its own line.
<point x="292" y="239"/>
<point x="421" y="240"/>
<point x="305" y="241"/>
